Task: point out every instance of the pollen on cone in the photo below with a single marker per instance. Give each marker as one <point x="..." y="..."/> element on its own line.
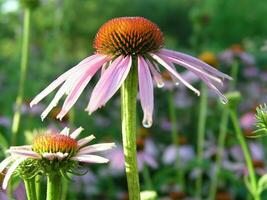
<point x="128" y="36"/>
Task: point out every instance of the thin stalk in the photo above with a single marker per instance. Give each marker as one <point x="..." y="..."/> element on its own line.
<point x="201" y="136"/>
<point x="147" y="178"/>
<point x="38" y="187"/>
<point x="219" y="155"/>
<point x="247" y="155"/>
<point x="54" y="187"/>
<point x="174" y="132"/>
<point x="234" y="73"/>
<point x="30" y="189"/>
<point x="23" y="71"/>
<point x="222" y="135"/>
<point x="128" y="112"/>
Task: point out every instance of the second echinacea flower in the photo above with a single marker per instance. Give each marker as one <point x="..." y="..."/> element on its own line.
<point x="121" y="44"/>
<point x="52" y="153"/>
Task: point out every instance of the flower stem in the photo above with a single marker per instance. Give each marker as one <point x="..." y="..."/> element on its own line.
<point x="54" y="187"/>
<point x="221" y="142"/>
<point x="147" y="178"/>
<point x="174" y="132"/>
<point x="23" y="71"/>
<point x="30" y="188"/>
<point x="128" y="112"/>
<point x="37" y="182"/>
<point x="245" y="149"/>
<point x="201" y="136"/>
<point x="222" y="135"/>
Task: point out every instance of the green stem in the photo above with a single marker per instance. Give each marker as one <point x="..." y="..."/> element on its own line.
<point x="219" y="154"/>
<point x="234" y="73"/>
<point x="174" y="132"/>
<point x="245" y="149"/>
<point x="201" y="136"/>
<point x="222" y="135"/>
<point x="128" y="112"/>
<point x="147" y="178"/>
<point x="38" y="187"/>
<point x="23" y="71"/>
<point x="30" y="188"/>
<point x="54" y="187"/>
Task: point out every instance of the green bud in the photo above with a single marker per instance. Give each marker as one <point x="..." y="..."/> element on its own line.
<point x="32" y="4"/>
<point x="234" y="99"/>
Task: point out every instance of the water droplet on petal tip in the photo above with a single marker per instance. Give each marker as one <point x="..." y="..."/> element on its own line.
<point x="147" y="123"/>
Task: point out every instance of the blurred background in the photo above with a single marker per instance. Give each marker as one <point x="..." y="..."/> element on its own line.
<point x="224" y="33"/>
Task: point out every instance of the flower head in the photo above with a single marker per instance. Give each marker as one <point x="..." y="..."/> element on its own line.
<point x="52" y="152"/>
<point x="121" y="44"/>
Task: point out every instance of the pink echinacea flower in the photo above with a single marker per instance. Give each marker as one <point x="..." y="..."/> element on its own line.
<point x="121" y="44"/>
<point x="54" y="149"/>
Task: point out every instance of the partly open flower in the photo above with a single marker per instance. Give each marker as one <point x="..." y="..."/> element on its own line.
<point x="121" y="44"/>
<point x="52" y="152"/>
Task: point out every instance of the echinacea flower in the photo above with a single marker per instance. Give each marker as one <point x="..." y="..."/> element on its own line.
<point x="61" y="150"/>
<point x="121" y="44"/>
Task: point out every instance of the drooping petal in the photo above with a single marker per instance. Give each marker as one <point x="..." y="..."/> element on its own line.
<point x="145" y="91"/>
<point x="23" y="147"/>
<point x="110" y="82"/>
<point x="59" y="81"/>
<point x="223" y="99"/>
<point x="176" y="74"/>
<point x="10" y="171"/>
<point x="85" y="140"/>
<point x="90" y="159"/>
<point x="79" y="86"/>
<point x="5" y="163"/>
<point x="71" y="82"/>
<point x="156" y="75"/>
<point x="25" y="153"/>
<point x="96" y="148"/>
<point x="195" y="61"/>
<point x="198" y="71"/>
<point x="76" y="133"/>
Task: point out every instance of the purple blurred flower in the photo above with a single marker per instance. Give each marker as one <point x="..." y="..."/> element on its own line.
<point x="19" y="193"/>
<point x="238" y="164"/>
<point x="247" y="121"/>
<point x="5" y="121"/>
<point x="146" y="155"/>
<point x="86" y="183"/>
<point x="184" y="152"/>
<point x="236" y="52"/>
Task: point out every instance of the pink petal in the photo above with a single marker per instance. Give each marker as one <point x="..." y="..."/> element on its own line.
<point x="65" y="131"/>
<point x="175" y="73"/>
<point x="156" y="75"/>
<point x="10" y="171"/>
<point x="110" y="82"/>
<point x="90" y="159"/>
<point x="145" y="91"/>
<point x="25" y="153"/>
<point x="5" y="163"/>
<point x="198" y="71"/>
<point x="194" y="61"/>
<point x="70" y="81"/>
<point x="79" y="86"/>
<point x="96" y="148"/>
<point x="223" y="99"/>
<point x="76" y="133"/>
<point x="85" y="140"/>
<point x="59" y="81"/>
